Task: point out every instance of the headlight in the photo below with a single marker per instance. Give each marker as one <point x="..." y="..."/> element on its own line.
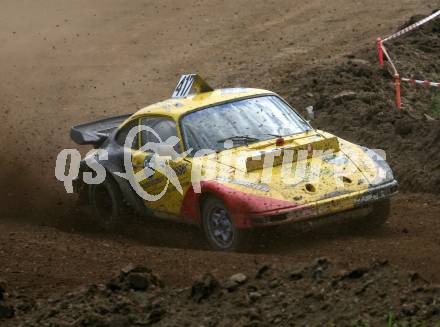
<point x="382" y="172"/>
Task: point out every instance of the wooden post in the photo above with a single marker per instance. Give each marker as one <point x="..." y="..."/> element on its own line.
<point x="380" y="51"/>
<point x="398" y="93"/>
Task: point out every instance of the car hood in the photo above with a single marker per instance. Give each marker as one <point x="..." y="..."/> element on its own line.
<point x="306" y="168"/>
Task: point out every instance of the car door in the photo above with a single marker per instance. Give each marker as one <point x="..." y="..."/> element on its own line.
<point x="166" y="176"/>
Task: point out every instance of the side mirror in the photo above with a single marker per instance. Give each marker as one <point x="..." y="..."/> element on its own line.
<point x="310" y="113"/>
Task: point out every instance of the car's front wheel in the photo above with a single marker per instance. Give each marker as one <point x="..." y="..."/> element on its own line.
<point x="219" y="228"/>
<point x="106" y="201"/>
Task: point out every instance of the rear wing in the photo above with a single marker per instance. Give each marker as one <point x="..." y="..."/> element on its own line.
<point x="95" y="133"/>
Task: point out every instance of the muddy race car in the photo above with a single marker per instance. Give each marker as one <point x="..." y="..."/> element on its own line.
<point x="229" y="160"/>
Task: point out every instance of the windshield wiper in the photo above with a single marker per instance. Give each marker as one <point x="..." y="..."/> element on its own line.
<point x="243" y="138"/>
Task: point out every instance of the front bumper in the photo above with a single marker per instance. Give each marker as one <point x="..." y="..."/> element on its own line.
<point x="325" y="207"/>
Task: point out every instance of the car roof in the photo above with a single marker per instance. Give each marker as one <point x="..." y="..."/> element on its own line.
<point x="176" y="107"/>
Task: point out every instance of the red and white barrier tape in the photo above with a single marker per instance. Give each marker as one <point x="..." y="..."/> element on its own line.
<point x="412" y="27"/>
<point x="383" y="53"/>
<point x="390" y="61"/>
<point x="424" y="83"/>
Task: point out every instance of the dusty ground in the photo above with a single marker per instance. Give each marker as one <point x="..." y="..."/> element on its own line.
<point x="65" y="62"/>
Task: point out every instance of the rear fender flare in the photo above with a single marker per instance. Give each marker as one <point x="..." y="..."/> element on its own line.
<point x="127" y="191"/>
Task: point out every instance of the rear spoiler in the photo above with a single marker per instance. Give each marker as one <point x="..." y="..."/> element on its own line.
<point x="96" y="132"/>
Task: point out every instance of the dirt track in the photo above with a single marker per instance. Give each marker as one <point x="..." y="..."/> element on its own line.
<point x="65" y="62"/>
<point x="43" y="260"/>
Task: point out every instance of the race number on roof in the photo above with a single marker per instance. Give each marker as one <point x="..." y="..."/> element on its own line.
<point x="189" y="82"/>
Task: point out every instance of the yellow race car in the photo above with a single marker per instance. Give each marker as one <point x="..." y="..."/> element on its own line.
<point x="228" y="160"/>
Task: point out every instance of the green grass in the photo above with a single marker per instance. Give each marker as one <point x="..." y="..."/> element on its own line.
<point x="392" y="322"/>
<point x="434" y="108"/>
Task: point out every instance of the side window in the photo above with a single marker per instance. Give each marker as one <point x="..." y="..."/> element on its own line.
<point x="123" y="133"/>
<point x="163" y="127"/>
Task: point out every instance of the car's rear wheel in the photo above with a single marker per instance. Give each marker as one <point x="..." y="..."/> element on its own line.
<point x="380" y="214"/>
<point x="106" y="201"/>
<point x="219" y="228"/>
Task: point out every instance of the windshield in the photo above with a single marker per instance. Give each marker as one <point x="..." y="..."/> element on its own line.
<point x="242" y="122"/>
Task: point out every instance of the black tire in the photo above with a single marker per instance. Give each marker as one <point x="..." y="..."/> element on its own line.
<point x="106" y="202"/>
<point x="380" y="214"/>
<point x="219" y="228"/>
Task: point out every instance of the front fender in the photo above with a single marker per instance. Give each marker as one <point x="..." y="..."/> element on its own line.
<point x="241" y="205"/>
